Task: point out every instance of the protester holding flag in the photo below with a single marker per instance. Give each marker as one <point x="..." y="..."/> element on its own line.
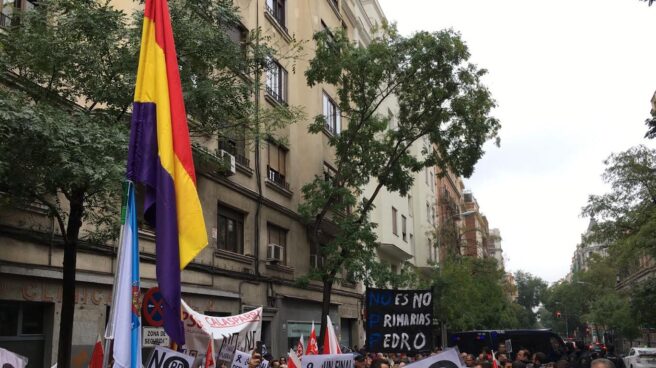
<point x="160" y="158"/>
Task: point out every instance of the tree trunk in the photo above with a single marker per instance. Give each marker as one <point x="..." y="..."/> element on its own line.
<point x="325" y="308"/>
<point x="68" y="282"/>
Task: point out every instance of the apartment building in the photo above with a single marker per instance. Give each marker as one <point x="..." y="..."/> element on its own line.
<point x="449" y="202"/>
<point x="258" y="244"/>
<point x="476" y="232"/>
<point x="495" y="250"/>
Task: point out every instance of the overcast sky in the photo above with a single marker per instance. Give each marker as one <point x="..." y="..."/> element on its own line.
<point x="573" y="80"/>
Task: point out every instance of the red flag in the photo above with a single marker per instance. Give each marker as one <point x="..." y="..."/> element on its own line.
<point x="312" y="347"/>
<point x="209" y="356"/>
<point x="494" y="360"/>
<point x="293" y="361"/>
<point x="330" y="341"/>
<point x="97" y="355"/>
<point x="300" y="347"/>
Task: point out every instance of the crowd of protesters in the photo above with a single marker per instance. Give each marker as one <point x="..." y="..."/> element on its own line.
<point x="572" y="355"/>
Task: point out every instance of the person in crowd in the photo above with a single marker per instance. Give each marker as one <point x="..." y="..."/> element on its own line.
<point x="502" y="358"/>
<point x="359" y="360"/>
<point x="539" y="359"/>
<point x="523" y="356"/>
<point x="274" y="363"/>
<point x="610" y="355"/>
<point x="501" y="349"/>
<point x="518" y="364"/>
<point x="255" y="360"/>
<point x="380" y="363"/>
<point x="602" y="363"/>
<point x="584" y="359"/>
<point x="469" y="360"/>
<point x="563" y="363"/>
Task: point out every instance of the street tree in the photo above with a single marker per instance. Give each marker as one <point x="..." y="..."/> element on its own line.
<point x="642" y="301"/>
<point x="471" y="295"/>
<point x="530" y="290"/>
<point x="625" y="217"/>
<point x="440" y="96"/>
<point x="67" y="85"/>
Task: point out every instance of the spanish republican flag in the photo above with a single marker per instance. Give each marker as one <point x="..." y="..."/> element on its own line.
<point x="160" y="158"/>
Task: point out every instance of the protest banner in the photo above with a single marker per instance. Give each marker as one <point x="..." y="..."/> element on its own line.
<point x="226" y="353"/>
<point x="162" y="357"/>
<point x="242" y="330"/>
<point x="449" y="358"/>
<point x="241" y="361"/>
<point x="399" y="320"/>
<point x="328" y="361"/>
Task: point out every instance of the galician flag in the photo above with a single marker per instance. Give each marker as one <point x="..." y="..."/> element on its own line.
<point x="125" y="324"/>
<point x="330" y="341"/>
<point x="160" y="158"/>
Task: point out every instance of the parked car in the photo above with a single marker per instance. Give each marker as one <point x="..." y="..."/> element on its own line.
<point x="641" y="358"/>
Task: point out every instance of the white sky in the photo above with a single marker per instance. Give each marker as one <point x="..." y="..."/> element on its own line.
<point x="573" y="80"/>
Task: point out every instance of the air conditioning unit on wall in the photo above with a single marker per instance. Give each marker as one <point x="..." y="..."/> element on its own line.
<point x="275" y="253"/>
<point x="229" y="158"/>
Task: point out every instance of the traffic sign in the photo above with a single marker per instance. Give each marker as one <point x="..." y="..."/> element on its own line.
<point x="152" y="309"/>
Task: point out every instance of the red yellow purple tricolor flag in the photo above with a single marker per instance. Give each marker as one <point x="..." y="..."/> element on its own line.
<point x="160" y="158"/>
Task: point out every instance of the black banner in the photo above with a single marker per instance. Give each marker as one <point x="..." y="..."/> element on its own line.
<point x="399" y="321"/>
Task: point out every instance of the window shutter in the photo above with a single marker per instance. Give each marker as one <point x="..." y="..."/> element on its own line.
<point x="273" y="157"/>
<point x="338" y="121"/>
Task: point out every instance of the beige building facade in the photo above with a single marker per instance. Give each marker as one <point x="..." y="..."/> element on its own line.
<point x="258" y="243"/>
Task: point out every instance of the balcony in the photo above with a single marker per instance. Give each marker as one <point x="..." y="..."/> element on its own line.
<point x="232" y="149"/>
<point x="277" y="12"/>
<point x="277" y="178"/>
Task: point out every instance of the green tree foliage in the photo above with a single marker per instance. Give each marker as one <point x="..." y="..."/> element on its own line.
<point x="643" y="300"/>
<point x="67" y="72"/>
<point x="590" y="298"/>
<point x="471" y="295"/>
<point x="67" y="85"/>
<point x="530" y="290"/>
<point x="625" y="218"/>
<point x="440" y="96"/>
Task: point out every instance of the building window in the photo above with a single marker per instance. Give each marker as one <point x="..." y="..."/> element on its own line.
<point x="329" y="172"/>
<point x="276" y="166"/>
<point x="230" y="230"/>
<point x="235" y="144"/>
<point x="277" y="248"/>
<point x="276" y="81"/>
<point x="404" y="231"/>
<point x="23" y="329"/>
<point x="276" y="8"/>
<point x="410" y="208"/>
<point x="10" y="9"/>
<point x="430" y="213"/>
<point x="332" y="115"/>
<point x="394" y="228"/>
<point x="432" y="182"/>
